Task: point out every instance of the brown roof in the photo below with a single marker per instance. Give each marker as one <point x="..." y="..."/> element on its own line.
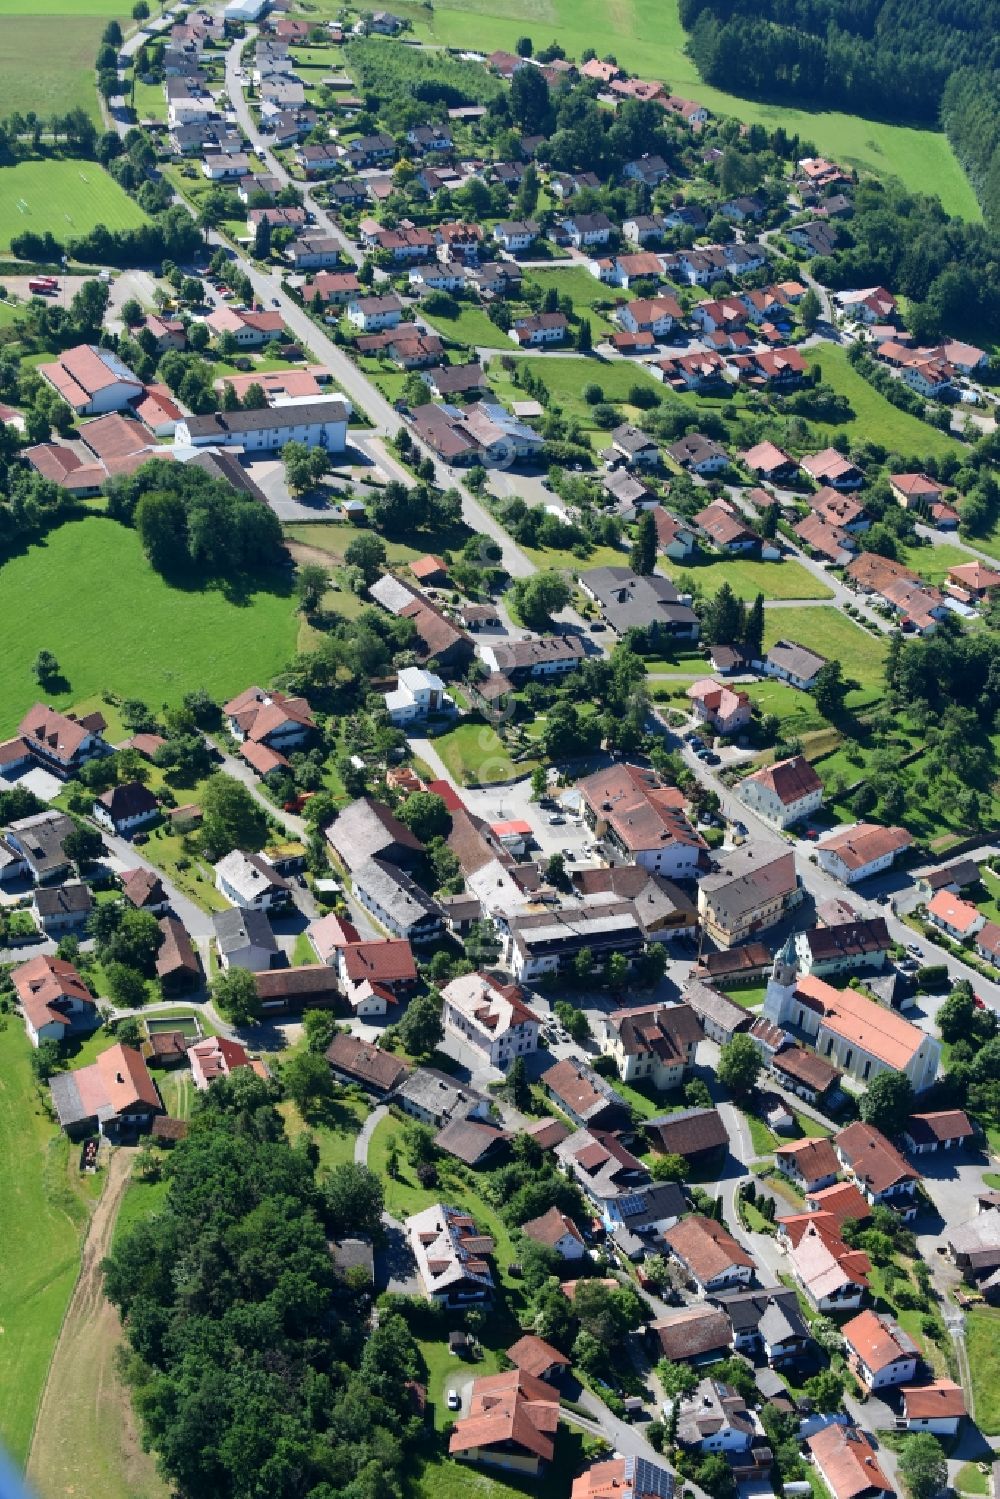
<point x="943" y="1398"/>
<point x="165" y="1128"/>
<point x="512" y="1410"/>
<point x="571" y="1083"/>
<point x="848" y="1462"/>
<point x="176" y="954"/>
<point x="468" y="1140"/>
<point x="536" y="1357"/>
<point x="548" y="1132"/>
<point x="841" y="1201"/>
<point x="361" y="1060"/>
<point x="388" y="961"/>
<point x="813" y="1158"/>
<point x="946" y="1124"/>
<point x="790" y="780"/>
<point x="806" y="1067"/>
<point x="42" y="981"/>
<point x="876" y="1340"/>
<point x="689" y="1132"/>
<point x="550" y="1228"/>
<point x="309" y="979"/>
<point x="693" y="1331"/>
<point x="143" y="887"/>
<point x="60" y="734"/>
<point x="872" y="1158"/>
<point x="706" y="1247"/>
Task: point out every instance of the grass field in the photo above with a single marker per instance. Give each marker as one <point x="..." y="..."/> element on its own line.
<point x="585" y="291"/>
<point x="114" y="624"/>
<point x="875" y="418"/>
<point x="47" y="60"/>
<point x="831" y="634"/>
<point x="44" y="1216"/>
<point x="646" y="37"/>
<point x="566" y="378"/>
<point x="67" y="197"/>
<point x="475" y="755"/>
<point x="933" y="562"/>
<point x="471" y="327"/>
<point x="747" y="578"/>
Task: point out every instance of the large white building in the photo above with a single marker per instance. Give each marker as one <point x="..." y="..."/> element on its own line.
<point x="318" y="423"/>
<point x="854" y="854"/>
<point x="491" y="1017"/>
<point x="857" y="1035"/>
<point x="783" y="793"/>
<point x="417" y="693"/>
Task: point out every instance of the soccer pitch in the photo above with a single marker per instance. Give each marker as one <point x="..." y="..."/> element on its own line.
<point x="68" y="198"/>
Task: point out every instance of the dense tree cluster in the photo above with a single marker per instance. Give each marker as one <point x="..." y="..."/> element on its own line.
<point x="252" y="1366"/>
<point x="865" y="56"/>
<point x="192" y="525"/>
<point x="170" y="235"/>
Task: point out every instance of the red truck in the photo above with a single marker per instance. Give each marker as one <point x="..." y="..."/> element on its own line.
<point x="43" y="286"/>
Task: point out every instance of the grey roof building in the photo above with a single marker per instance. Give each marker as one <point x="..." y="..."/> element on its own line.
<point x="40" y="839"/>
<point x="436" y="1098"/>
<point x="244" y="938"/>
<point x="366" y="830"/>
<point x="628" y="602"/>
<point x="397" y="901"/>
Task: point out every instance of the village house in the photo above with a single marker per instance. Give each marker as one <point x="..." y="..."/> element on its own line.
<point x="540" y="328"/>
<point x="726" y="710"/>
<point x="880" y="1173"/>
<point x="321" y="423"/>
<point x="585" y="230"/>
<point x="832" y="1276"/>
<point x="709" y="1255"/>
<point x="639" y="821"/>
<point x="674" y="539"/>
<point x="557" y="1232"/>
<point x="538" y="1359"/>
<point x="417" y="694"/>
<point x="588" y="1099"/>
<point x="664" y="910"/>
<point x="811" y="1164"/>
<point x="751" y="891"/>
<point x="792" y="663"/>
<point x="143" y="889"/>
<point x="126" y="809"/>
<point x="61" y="742"/>
<point x="699" y="1135"/>
<point x="397" y="902"/>
<point x="491" y="1017"/>
<point x="844" y="946"/>
<point x="696" y="1335"/>
<point x="365" y="1064"/>
<point x="628" y="601"/>
<point x="511" y="1424"/>
<point x="699" y="455"/>
<point x="722" y="525"/>
<point x="653" y="1044"/>
<point x="832" y="469"/>
<point x="452" y="1256"/>
<point x="250" y="881"/>
<point x="244" y="939"/>
<point x="251" y="330"/>
<point x="879" y="1352"/>
<point x="217" y="1057"/>
<point x="721" y="1018"/>
<point x="856" y="853"/>
<point x="938" y="1407"/>
<point x="768" y="1322"/>
<point x="114" y="1096"/>
<point x="55" y="1002"/>
<point x="178" y="966"/>
<point x="783" y="793"/>
<point x="944" y="1130"/>
<point x="958" y="918"/>
<point x="848" y="1463"/>
<point x="655" y="315"/>
<point x="602" y="1166"/>
<point x="765" y="461"/>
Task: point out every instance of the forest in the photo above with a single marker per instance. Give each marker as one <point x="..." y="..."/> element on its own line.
<point x="251" y="1363"/>
<point x="884" y="59"/>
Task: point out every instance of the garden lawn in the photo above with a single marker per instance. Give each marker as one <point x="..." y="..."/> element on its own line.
<point x="874" y="416"/>
<point x="475" y="755"/>
<point x="747" y="577"/>
<point x="646" y="37"/>
<point x="44" y="1217"/>
<point x="969" y="1480"/>
<point x="933" y="562"/>
<point x="797" y="711"/>
<point x="586" y="293"/>
<point x="833" y="635"/>
<point x="69" y="198"/>
<point x="566" y="377"/>
<point x="982" y="1339"/>
<point x="335" y="1137"/>
<point x="471" y="328"/>
<point x="115" y="625"/>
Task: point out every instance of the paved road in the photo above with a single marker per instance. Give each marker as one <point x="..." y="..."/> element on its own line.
<point x="197" y="921"/>
<point x="369" y="1127"/>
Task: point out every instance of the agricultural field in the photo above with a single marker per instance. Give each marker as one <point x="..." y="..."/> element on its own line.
<point x="45" y="1214"/>
<point x="830" y="634"/>
<point x="646" y="36"/>
<point x="47" y="60"/>
<point x="875" y="418"/>
<point x="67" y="198"/>
<point x="114" y="624"/>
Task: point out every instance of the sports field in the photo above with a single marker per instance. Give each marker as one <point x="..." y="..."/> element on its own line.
<point x="87" y="594"/>
<point x="646" y="37"/>
<point x="68" y="198"/>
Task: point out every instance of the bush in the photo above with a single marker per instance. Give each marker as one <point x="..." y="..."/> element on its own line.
<point x="593" y="394"/>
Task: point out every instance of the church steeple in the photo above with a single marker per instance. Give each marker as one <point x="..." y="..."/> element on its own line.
<point x="781" y="986"/>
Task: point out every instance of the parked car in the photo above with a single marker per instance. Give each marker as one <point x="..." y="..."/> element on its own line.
<point x="556" y="820"/>
<point x="711" y="758"/>
<point x="454" y="1400"/>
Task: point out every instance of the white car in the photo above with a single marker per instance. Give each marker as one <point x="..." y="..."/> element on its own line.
<point x="454" y="1401"/>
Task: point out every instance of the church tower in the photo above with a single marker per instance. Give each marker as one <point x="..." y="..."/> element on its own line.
<point x="781" y="985"/>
